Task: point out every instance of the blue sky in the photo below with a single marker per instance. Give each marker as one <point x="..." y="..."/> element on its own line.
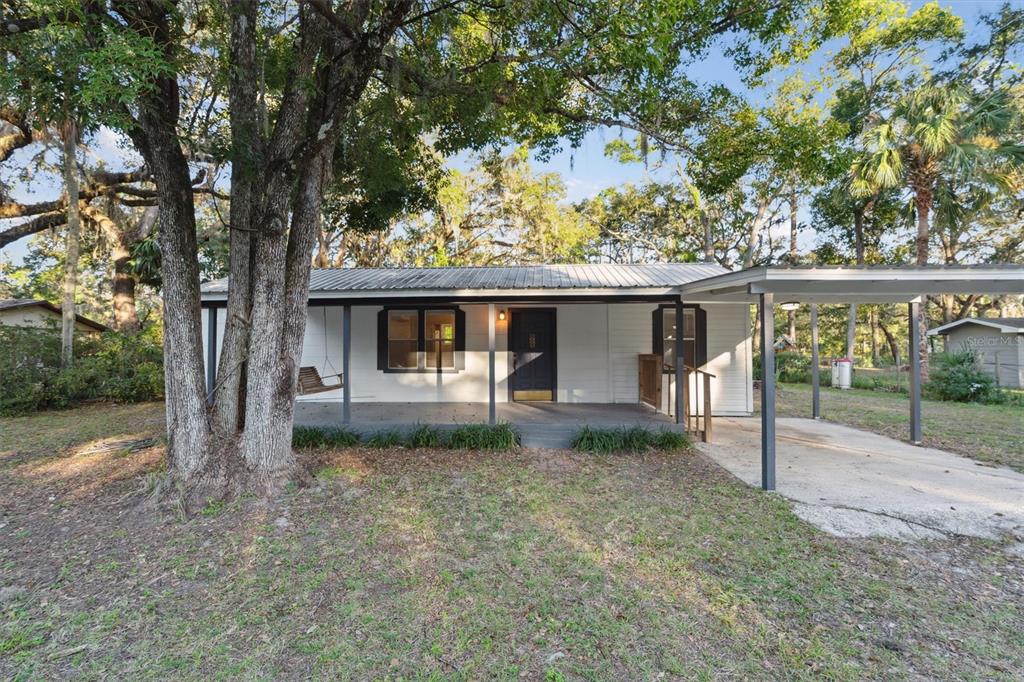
<point x="585" y="169"/>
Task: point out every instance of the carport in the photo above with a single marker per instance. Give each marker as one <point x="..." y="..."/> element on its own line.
<point x="770" y="285"/>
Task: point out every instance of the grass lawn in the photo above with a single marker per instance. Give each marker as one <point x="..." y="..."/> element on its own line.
<point x="987" y="433"/>
<point x="430" y="564"/>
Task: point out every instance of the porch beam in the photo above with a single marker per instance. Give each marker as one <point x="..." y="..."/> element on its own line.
<point x="913" y="311"/>
<point x="492" y="416"/>
<point x="767" y="314"/>
<point x="678" y="359"/>
<point x="815" y="366"/>
<point x="346" y="356"/>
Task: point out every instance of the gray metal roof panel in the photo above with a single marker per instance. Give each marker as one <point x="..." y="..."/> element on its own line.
<point x="584" y="276"/>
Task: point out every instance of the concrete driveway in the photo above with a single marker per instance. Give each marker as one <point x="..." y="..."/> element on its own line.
<point x="853" y="483"/>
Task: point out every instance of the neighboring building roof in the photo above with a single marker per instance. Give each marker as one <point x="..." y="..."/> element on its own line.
<point x="1006" y="325"/>
<point x="15" y="303"/>
<point x="662" y="277"/>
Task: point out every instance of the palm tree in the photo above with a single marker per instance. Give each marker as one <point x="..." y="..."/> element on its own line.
<point x="940" y="134"/>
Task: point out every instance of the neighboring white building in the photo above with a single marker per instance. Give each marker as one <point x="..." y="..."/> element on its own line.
<point x="998" y="342"/>
<point x="30" y="312"/>
<point x="563" y="333"/>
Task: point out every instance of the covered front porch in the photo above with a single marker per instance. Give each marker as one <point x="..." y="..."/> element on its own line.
<point x="540" y="424"/>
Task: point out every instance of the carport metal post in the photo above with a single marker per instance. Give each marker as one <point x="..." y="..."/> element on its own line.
<point x="815" y="366"/>
<point x="767" y="312"/>
<point x="678" y="360"/>
<point x="914" y="309"/>
<point x="346" y="356"/>
<point x="492" y="417"/>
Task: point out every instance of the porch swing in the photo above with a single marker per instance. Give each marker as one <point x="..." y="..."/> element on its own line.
<point x="310" y="380"/>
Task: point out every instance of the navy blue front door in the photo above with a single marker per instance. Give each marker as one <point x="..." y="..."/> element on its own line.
<point x="531" y="341"/>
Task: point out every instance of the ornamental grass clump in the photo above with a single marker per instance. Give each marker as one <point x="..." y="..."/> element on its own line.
<point x="501" y="436"/>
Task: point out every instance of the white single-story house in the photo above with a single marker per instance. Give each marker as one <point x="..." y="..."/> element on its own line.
<point x="40" y="314"/>
<point x="997" y="341"/>
<point x="563" y="333"/>
<point x="575" y="344"/>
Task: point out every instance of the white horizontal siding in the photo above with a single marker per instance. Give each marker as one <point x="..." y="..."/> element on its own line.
<point x="631" y="330"/>
<point x="582" y="353"/>
<point x="729" y="358"/>
<point x="597" y="349"/>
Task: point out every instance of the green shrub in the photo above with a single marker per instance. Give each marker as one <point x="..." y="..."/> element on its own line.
<point x="959" y="377"/>
<point x="113" y="366"/>
<point x="665" y="439"/>
<point x="632" y="439"/>
<point x="791" y="366"/>
<point x="424" y="436"/>
<point x="501" y="436"/>
<point x="864" y="382"/>
<point x="308" y="437"/>
<point x="385" y="439"/>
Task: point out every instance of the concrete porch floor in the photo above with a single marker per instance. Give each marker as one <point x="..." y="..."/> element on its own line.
<point x="541" y="425"/>
<point x="854" y="483"/>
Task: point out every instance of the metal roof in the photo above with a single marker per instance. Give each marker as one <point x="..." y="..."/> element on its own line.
<point x="658" y="276"/>
<point x="858" y="284"/>
<point x="1006" y="325"/>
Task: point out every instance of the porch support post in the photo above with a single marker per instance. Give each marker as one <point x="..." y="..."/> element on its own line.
<point x="211" y="352"/>
<point x="767" y="312"/>
<point x="914" y="309"/>
<point x="346" y="356"/>
<point x="492" y="417"/>
<point x="680" y="375"/>
<point x="815" y="366"/>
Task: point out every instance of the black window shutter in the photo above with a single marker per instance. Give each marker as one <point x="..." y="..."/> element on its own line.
<point x="382" y="339"/>
<point x="460" y="339"/>
<point x="701" y="332"/>
<point x="658" y="333"/>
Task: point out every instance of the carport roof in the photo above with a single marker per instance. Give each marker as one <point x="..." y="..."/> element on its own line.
<point x="859" y="284"/>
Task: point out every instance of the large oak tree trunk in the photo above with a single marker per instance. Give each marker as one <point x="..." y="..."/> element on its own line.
<point x="243" y="439"/>
<point x="73" y="231"/>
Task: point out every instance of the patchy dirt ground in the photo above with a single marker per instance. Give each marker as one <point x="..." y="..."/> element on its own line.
<point x="436" y="564"/>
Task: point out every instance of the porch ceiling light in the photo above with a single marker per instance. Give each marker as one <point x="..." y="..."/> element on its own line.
<point x="790" y="305"/>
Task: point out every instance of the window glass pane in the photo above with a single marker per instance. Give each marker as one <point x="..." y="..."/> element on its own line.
<point x="668" y="325"/>
<point x="669" y="339"/>
<point x="440" y="324"/>
<point x="402" y="354"/>
<point x="440" y="354"/>
<point x="403" y="324"/>
<point x="440" y="330"/>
